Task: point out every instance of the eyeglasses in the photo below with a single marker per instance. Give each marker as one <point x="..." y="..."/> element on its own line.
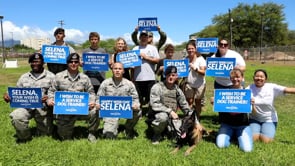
<point x="223" y="44"/>
<point x="75" y="62"/>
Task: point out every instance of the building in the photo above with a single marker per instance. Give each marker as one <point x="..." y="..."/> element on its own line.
<point x="35" y="43"/>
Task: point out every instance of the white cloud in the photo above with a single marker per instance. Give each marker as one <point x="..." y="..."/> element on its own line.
<point x="21" y="33"/>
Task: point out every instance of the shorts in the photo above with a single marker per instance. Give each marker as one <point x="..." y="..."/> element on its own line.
<point x="196" y="93"/>
<point x="267" y="129"/>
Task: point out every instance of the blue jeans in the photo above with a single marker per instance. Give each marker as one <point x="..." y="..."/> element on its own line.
<point x="267" y="129"/>
<point x="243" y="134"/>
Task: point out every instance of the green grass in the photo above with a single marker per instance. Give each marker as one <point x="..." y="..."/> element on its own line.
<point x="48" y="151"/>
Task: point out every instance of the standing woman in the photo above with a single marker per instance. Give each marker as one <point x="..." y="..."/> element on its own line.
<point x="195" y="86"/>
<point x="120" y="46"/>
<point x="264" y="121"/>
<point x="224" y="52"/>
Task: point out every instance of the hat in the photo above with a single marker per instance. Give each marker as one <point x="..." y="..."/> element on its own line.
<point x="144" y="32"/>
<point x="36" y="56"/>
<point x="150" y="34"/>
<point x="58" y="30"/>
<point x="170" y="69"/>
<point x="73" y="56"/>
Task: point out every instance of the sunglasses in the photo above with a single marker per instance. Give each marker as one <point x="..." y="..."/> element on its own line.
<point x="223" y="44"/>
<point x="75" y="62"/>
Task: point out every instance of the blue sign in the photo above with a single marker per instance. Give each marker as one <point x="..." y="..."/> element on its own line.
<point x="129" y="58"/>
<point x="71" y="103"/>
<point x="95" y="62"/>
<point x="232" y="100"/>
<point x="207" y="45"/>
<point x="182" y="66"/>
<point x="25" y="97"/>
<point x="220" y="67"/>
<point x="115" y="107"/>
<point x="148" y="24"/>
<point x="55" y="54"/>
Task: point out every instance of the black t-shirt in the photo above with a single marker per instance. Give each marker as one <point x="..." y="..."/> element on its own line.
<point x="234" y="119"/>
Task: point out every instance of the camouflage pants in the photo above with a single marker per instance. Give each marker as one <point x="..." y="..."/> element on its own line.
<point x="20" y="120"/>
<point x="112" y="124"/>
<point x="162" y="120"/>
<point x="66" y="123"/>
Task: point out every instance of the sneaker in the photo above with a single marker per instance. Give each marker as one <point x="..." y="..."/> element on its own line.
<point x="155" y="142"/>
<point x="91" y="138"/>
<point x="156" y="139"/>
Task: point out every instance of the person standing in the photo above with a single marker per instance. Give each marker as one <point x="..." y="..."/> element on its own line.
<point x="72" y="80"/>
<point x="224" y="52"/>
<point x="59" y="35"/>
<point x="165" y="97"/>
<point x="96" y="77"/>
<point x="120" y="46"/>
<point x="195" y="84"/>
<point x="169" y="51"/>
<point x="144" y="75"/>
<point x="162" y="40"/>
<point x="234" y="124"/>
<point x="38" y="77"/>
<point x="264" y="121"/>
<point x="119" y="86"/>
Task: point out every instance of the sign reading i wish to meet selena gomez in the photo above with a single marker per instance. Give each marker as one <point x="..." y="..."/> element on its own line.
<point x="220" y="67"/>
<point x="115" y="107"/>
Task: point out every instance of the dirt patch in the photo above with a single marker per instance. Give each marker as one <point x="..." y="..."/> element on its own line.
<point x="280" y="56"/>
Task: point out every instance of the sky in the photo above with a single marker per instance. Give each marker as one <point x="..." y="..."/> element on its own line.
<point x="115" y="18"/>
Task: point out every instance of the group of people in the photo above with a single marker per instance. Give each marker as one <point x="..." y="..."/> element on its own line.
<point x="261" y="123"/>
<point x="163" y="97"/>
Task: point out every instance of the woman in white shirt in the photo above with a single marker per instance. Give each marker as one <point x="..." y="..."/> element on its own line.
<point x="263" y="122"/>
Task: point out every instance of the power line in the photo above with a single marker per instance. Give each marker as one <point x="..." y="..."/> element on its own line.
<point x="61" y="23"/>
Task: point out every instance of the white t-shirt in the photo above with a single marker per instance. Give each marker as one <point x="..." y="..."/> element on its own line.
<point x="146" y="72"/>
<point x="194" y="79"/>
<point x="224" y="81"/>
<point x="264" y="101"/>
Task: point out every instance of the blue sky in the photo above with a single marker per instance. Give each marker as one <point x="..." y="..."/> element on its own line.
<point x="112" y="19"/>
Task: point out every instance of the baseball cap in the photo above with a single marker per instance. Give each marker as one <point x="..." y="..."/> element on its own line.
<point x="170" y="69"/>
<point x="58" y="30"/>
<point x="73" y="56"/>
<point x="144" y="32"/>
<point x="36" y="56"/>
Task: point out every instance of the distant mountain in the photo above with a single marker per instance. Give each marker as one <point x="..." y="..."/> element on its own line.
<point x="8" y="43"/>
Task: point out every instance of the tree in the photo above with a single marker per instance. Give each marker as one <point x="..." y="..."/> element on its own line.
<point x="247" y="23"/>
<point x="106" y="44"/>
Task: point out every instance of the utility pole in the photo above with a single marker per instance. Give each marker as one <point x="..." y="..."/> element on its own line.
<point x="261" y="35"/>
<point x="3" y="51"/>
<point x="12" y="41"/>
<point x="230" y="27"/>
<point x="61" y="23"/>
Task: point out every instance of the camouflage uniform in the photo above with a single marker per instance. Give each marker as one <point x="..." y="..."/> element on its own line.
<point x="43" y="116"/>
<point x="162" y="102"/>
<point x="81" y="83"/>
<point x="125" y="88"/>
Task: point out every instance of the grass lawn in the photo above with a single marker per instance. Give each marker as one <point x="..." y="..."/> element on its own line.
<point x="48" y="151"/>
